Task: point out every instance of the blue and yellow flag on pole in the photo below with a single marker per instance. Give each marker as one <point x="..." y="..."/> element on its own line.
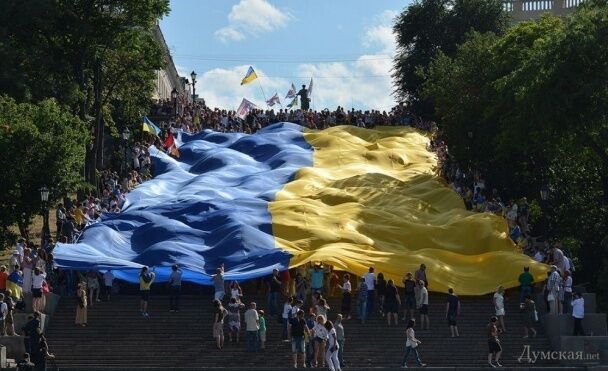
<point x="249" y="77"/>
<point x="148" y="126"/>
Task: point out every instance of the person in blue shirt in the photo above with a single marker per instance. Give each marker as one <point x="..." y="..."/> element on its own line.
<point x="316" y="278"/>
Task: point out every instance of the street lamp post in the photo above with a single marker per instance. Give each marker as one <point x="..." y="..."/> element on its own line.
<point x="44" y="197"/>
<point x="193" y="76"/>
<point x="174" y="97"/>
<point x="126" y="134"/>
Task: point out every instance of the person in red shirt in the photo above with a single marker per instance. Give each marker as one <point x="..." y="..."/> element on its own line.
<point x="3" y="277"/>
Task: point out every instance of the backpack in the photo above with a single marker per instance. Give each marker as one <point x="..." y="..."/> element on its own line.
<point x="147" y="278"/>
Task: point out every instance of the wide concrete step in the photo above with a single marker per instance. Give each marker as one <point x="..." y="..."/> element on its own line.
<point x="118" y="337"/>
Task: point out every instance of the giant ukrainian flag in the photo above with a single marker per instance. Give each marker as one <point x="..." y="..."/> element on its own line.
<point x="283" y="197"/>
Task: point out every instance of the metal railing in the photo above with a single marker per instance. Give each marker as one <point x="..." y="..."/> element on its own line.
<point x="530" y="9"/>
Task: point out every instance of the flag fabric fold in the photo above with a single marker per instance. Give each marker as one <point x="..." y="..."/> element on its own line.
<point x="249" y="77"/>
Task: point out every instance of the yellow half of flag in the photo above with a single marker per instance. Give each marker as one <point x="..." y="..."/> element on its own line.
<point x="249" y="77"/>
<point x="14" y="289"/>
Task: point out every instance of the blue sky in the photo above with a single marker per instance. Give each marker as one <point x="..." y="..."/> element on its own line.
<point x="345" y="46"/>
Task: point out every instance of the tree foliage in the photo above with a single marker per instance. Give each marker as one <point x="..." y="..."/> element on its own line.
<point x="429" y="27"/>
<point x="98" y="57"/>
<point x="528" y="108"/>
<point x="40" y="144"/>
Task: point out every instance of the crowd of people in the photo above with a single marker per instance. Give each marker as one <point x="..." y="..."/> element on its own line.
<point x="298" y="300"/>
<point x="195" y="117"/>
<point x="304" y="314"/>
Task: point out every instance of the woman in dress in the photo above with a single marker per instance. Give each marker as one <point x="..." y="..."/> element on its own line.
<point x="81" y="306"/>
<point x="234" y="318"/>
<point x="499" y="307"/>
<point x="391" y="302"/>
<point x="236" y="291"/>
<point x="27" y="265"/>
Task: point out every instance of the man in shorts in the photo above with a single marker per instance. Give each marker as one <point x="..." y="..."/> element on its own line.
<point x="495" y="350"/>
<point x="299" y="331"/>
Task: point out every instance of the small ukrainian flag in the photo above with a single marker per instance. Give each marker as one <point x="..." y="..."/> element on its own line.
<point x="14" y="282"/>
<point x="249" y="77"/>
<point x="149" y="126"/>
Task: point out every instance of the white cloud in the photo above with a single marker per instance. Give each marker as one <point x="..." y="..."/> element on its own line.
<point x="222" y="87"/>
<point x="362" y="84"/>
<point x="381" y="34"/>
<point x="365" y="83"/>
<point x="252" y="17"/>
<point x="229" y="33"/>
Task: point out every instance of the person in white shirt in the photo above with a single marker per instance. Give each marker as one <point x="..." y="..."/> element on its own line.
<point x="108" y="280"/>
<point x="252" y="322"/>
<point x="370" y="282"/>
<point x="346" y="296"/>
<point x="499" y="306"/>
<point x="411" y="344"/>
<point x="287" y="307"/>
<point x="20" y="246"/>
<point x="539" y="256"/>
<point x="37" y="282"/>
<point x="331" y="355"/>
<point x="424" y="306"/>
<point x="578" y="313"/>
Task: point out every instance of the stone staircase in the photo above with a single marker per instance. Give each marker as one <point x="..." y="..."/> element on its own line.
<point x="118" y="337"/>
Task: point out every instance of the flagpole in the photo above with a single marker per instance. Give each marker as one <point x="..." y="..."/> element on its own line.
<point x="263" y="94"/>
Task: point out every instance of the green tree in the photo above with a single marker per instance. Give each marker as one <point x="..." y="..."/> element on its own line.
<point x="98" y="57"/>
<point x="40" y="144"/>
<point x="428" y="27"/>
<point x="527" y="108"/>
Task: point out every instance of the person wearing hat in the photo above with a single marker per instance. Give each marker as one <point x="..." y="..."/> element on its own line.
<point x="553" y="289"/>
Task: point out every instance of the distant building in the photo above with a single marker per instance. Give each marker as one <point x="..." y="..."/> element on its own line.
<point x="168" y="79"/>
<point x="525" y="10"/>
